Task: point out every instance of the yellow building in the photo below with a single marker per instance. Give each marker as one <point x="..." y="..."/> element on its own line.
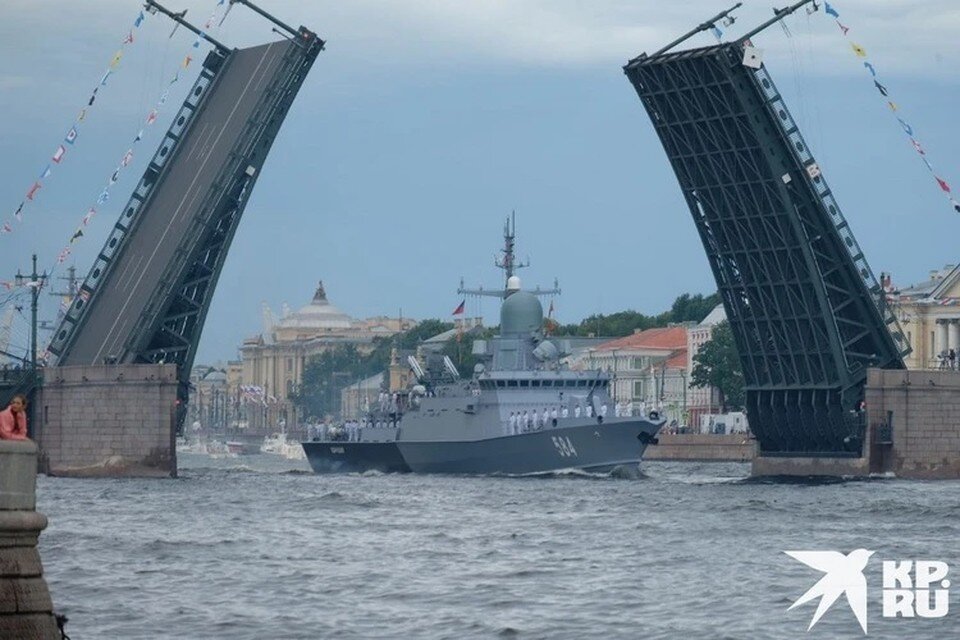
<point x="273" y="361"/>
<point x="929" y="314"/>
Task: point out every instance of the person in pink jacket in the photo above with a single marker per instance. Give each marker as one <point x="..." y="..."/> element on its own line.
<point x="13" y="420"/>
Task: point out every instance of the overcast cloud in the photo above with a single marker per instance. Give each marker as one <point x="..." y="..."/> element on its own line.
<point x="426" y="121"/>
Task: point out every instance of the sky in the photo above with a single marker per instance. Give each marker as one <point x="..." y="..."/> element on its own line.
<point x="424" y="123"/>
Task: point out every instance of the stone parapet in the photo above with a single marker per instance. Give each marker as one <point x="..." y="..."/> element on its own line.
<point x="26" y="610"/>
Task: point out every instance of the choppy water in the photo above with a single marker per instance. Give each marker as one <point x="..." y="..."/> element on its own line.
<point x="258" y="547"/>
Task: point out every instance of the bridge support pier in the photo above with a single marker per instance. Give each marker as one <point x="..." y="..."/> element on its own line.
<point x="25" y="605"/>
<point x="108" y="420"/>
<point x="912" y="431"/>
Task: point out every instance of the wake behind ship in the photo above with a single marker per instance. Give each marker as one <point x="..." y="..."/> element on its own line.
<point x="523" y="411"/>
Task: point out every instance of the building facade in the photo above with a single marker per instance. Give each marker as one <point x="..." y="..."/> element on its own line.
<point x="702" y="401"/>
<point x="929" y="314"/>
<point x="273" y="362"/>
<point x="649" y="369"/>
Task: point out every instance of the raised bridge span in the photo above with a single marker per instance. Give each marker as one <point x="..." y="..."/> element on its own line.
<point x="807" y="314"/>
<point x="148" y="292"/>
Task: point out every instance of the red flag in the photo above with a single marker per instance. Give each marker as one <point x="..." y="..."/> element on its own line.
<point x="33" y="190"/>
<point x="943" y="184"/>
<point x="460" y="308"/>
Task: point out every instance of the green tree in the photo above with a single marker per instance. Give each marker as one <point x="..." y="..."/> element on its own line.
<point x="718" y="365"/>
<point x="686" y="308"/>
<point x="693" y="308"/>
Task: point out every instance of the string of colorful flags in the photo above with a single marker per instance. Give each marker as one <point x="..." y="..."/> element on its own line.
<point x="127" y="157"/>
<point x="70" y="139"/>
<point x="894" y="108"/>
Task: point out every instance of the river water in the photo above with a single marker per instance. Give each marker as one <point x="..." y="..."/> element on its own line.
<point x="258" y="547"/>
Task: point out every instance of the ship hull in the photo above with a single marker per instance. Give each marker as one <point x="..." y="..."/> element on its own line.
<point x="354" y="457"/>
<point x="589" y="447"/>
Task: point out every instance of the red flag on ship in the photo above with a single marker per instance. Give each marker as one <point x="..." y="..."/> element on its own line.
<point x="460" y="308"/>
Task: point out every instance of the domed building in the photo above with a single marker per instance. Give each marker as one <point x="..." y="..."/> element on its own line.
<point x="273" y="361"/>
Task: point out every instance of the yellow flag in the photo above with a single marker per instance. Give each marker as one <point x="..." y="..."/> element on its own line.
<point x="186" y="62"/>
<point x="893" y="106"/>
<point x="857" y="49"/>
<point x="116" y="59"/>
<point x="82" y="115"/>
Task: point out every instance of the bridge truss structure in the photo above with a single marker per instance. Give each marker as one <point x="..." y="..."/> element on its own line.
<point x="807" y="314"/>
<point x="148" y="292"/>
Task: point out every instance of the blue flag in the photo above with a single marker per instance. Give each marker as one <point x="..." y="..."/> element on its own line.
<point x="139" y="20"/>
<point x="830" y="10"/>
<point x="870" y="68"/>
<point x="717" y="33"/>
<point x="905" y="126"/>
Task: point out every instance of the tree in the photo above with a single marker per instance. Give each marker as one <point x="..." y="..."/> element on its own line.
<point x="686" y="308"/>
<point x="693" y="308"/>
<point x="718" y="365"/>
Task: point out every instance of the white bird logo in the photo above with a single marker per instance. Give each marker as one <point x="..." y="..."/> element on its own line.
<point x="844" y="576"/>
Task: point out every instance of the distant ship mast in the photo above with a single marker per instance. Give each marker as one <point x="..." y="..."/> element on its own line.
<point x="508" y="263"/>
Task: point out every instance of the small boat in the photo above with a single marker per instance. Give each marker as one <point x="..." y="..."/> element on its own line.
<point x="240" y="448"/>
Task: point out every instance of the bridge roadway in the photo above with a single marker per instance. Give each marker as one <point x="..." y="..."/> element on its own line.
<point x="136" y="272"/>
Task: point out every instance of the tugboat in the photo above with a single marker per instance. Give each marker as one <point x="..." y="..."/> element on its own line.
<point x="523" y="411"/>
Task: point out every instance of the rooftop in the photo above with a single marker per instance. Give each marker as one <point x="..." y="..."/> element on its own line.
<point x="664" y="338"/>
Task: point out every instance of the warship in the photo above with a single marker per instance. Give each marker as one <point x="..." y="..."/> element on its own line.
<point x="522" y="411"/>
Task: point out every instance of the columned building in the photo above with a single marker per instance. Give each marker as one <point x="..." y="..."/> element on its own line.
<point x="273" y="361"/>
<point x="929" y="314"/>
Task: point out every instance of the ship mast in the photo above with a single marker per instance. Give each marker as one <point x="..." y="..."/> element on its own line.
<point x="509" y="264"/>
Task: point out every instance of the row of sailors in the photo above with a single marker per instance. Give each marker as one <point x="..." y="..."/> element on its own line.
<point x="523" y="421"/>
<point x="349" y="430"/>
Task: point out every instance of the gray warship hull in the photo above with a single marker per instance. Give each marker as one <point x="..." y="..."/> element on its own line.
<point x="589" y="446"/>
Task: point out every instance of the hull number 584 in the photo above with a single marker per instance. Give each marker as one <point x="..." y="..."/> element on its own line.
<point x="564" y="446"/>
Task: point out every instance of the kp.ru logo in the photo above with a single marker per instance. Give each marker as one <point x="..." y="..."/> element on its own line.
<point x="910" y="589"/>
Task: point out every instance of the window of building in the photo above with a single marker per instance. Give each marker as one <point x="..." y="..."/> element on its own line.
<point x="289" y="364"/>
<point x="638" y="390"/>
<point x="524" y="383"/>
<point x="511" y="383"/>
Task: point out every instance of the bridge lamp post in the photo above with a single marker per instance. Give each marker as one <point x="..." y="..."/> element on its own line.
<point x="36" y="282"/>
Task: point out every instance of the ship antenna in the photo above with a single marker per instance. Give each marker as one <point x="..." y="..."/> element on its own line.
<point x="509" y="262"/>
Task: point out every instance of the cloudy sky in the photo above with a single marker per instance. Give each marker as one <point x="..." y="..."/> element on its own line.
<point x="425" y="122"/>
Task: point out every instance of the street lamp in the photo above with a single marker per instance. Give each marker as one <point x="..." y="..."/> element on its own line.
<point x="36" y="282"/>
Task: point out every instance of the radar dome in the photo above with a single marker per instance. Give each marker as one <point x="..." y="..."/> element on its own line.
<point x="513" y="283"/>
<point x="521" y="313"/>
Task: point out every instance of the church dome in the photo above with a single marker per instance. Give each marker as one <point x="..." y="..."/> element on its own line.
<point x="319" y="314"/>
<point x="521" y="312"/>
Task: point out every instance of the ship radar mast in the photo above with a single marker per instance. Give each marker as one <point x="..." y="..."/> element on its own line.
<point x="507" y="262"/>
